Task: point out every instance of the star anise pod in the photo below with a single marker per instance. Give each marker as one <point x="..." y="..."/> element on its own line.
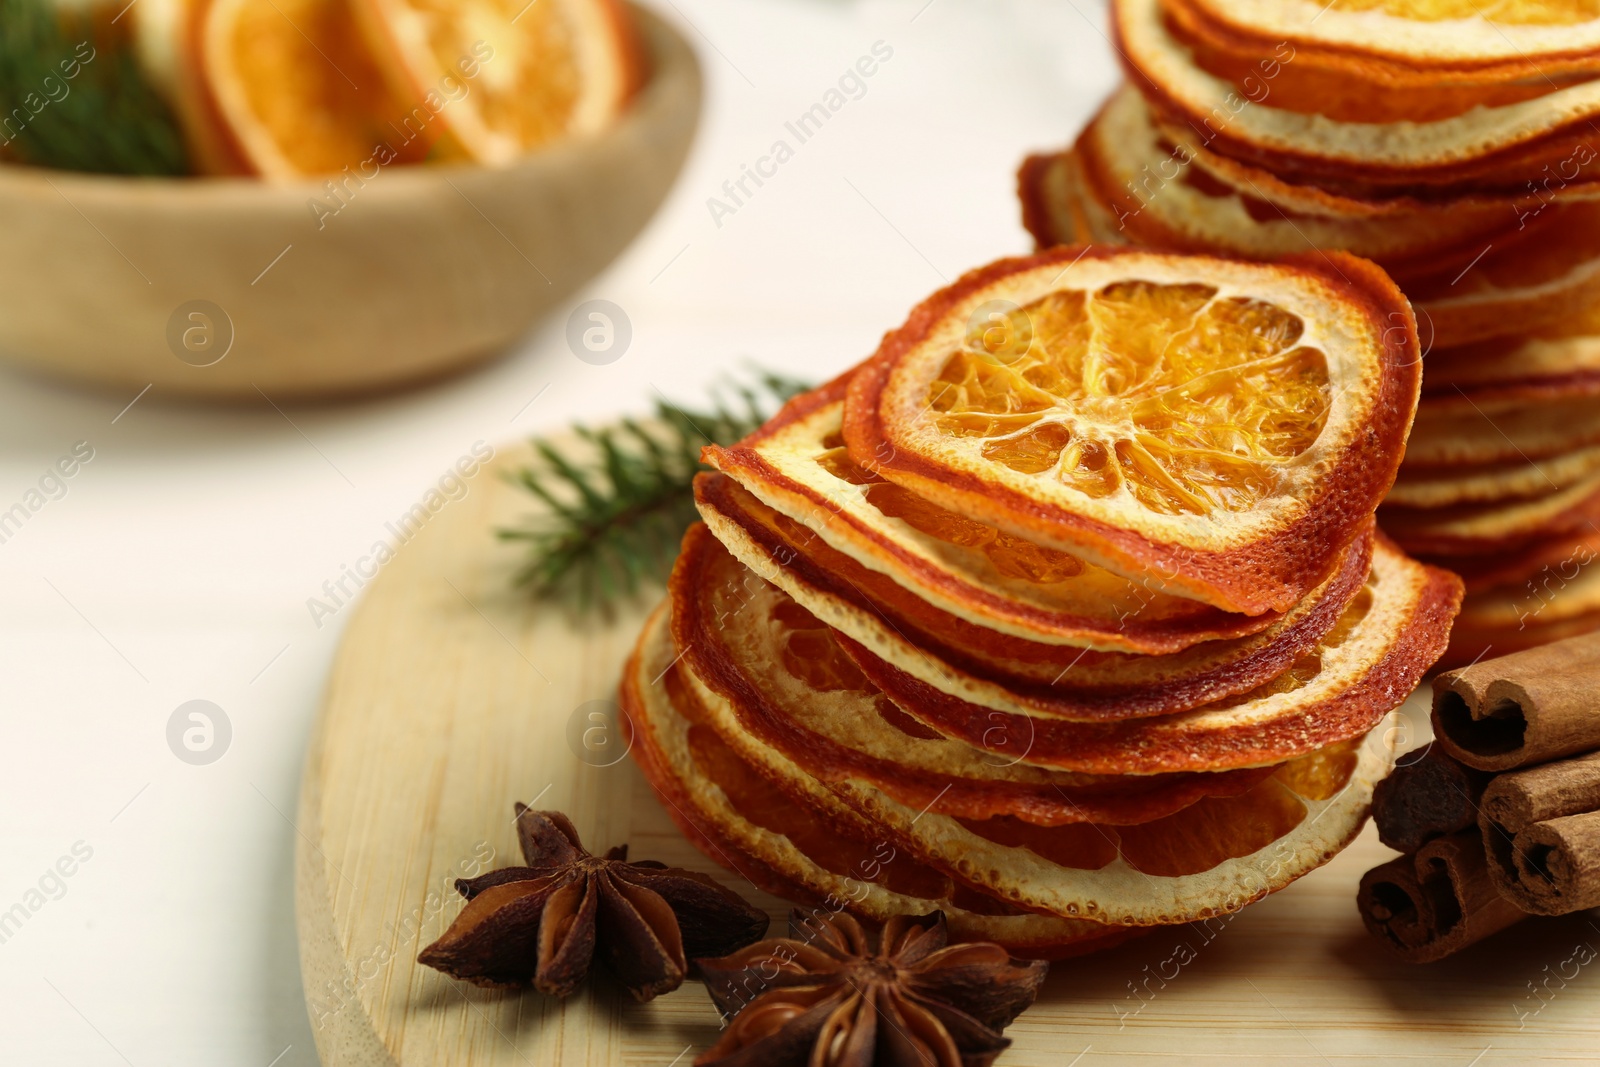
<point x="831" y="994"/>
<point x="545" y="922"/>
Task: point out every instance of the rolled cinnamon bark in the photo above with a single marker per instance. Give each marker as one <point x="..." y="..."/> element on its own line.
<point x="1428" y="795"/>
<point x="1521" y="709"/>
<point x="1433" y="904"/>
<point x="1541" y="833"/>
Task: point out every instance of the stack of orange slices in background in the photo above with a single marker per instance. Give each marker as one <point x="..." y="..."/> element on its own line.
<point x="285" y="89"/>
<point x="1065" y="612"/>
<point x="1452" y="143"/>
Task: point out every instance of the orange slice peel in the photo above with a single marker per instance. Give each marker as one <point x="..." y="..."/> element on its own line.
<point x="996" y="584"/>
<point x="1387" y="640"/>
<point x="741" y="820"/>
<point x="298" y="90"/>
<point x="1225" y="427"/>
<point x="785" y="681"/>
<point x="1011" y="676"/>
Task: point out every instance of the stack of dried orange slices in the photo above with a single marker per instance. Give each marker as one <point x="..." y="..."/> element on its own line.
<point x="1502" y="485"/>
<point x="1451" y="142"/>
<point x="1065" y="612"/>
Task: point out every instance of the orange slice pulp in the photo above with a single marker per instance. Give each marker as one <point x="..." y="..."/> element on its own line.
<point x="507" y="76"/>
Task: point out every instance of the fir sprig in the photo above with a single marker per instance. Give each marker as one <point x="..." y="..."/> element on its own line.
<point x="613" y="517"/>
<point x="73" y="95"/>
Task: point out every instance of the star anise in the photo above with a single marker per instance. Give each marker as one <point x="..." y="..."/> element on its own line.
<point x="545" y="922"/>
<point x="831" y="994"/>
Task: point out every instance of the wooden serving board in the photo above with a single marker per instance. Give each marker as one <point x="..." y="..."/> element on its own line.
<point x="454" y="696"/>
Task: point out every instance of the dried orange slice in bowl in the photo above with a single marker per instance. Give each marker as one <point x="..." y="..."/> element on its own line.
<point x="1221" y="428"/>
<point x="507" y="76"/>
<point x="298" y="90"/>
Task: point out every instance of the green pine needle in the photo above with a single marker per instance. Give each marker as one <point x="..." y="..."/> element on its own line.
<point x="107" y="118"/>
<point x="612" y="518"/>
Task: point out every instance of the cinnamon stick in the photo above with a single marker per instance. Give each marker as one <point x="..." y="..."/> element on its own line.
<point x="1521" y="709"/>
<point x="1437" y="902"/>
<point x="1541" y="832"/>
<point x="1428" y="795"/>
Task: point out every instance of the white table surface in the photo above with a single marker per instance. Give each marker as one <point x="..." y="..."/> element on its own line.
<point x="179" y="563"/>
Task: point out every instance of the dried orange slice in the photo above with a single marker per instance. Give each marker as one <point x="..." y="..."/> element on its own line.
<point x="1389" y="60"/>
<point x="1528" y="598"/>
<point x="1439" y="35"/>
<point x="1475" y="529"/>
<point x="1470" y="643"/>
<point x="1486" y="150"/>
<point x="1214" y="856"/>
<point x="1296" y="197"/>
<point x="1158" y="195"/>
<point x="507" y="76"/>
<point x="168" y="37"/>
<point x="1211" y="858"/>
<point x="995" y="589"/>
<point x="1565" y="591"/>
<point x="1474" y="270"/>
<point x="1491" y="483"/>
<point x="1561" y="360"/>
<point x="299" y="91"/>
<point x="1385" y="641"/>
<point x="778" y="672"/>
<point x="1468" y="280"/>
<point x="1549" y="563"/>
<point x="1013" y="676"/>
<point x="1489" y="431"/>
<point x="834" y="860"/>
<point x="1549" y="276"/>
<point x="1219" y="428"/>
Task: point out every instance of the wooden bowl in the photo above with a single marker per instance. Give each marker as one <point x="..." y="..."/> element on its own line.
<point x="222" y="287"/>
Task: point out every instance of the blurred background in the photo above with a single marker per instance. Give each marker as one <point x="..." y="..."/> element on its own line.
<point x="177" y="562"/>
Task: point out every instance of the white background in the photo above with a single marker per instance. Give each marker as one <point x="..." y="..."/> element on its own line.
<point x="179" y="564"/>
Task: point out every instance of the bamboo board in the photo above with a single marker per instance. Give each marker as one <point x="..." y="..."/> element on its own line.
<point x="454" y="696"/>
